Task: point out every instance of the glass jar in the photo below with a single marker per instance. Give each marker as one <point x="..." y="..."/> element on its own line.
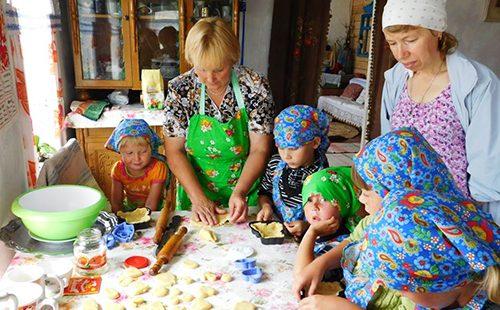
<point x="89" y="251"/>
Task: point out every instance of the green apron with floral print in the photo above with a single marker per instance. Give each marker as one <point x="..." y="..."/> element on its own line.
<point x="217" y="152"/>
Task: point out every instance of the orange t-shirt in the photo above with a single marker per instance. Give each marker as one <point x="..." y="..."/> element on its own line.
<point x="137" y="188"/>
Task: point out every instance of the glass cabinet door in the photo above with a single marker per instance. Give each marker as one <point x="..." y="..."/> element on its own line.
<point x="100" y="42"/>
<point x="158" y="36"/>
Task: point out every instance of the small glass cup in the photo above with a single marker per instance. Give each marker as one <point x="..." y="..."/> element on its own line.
<point x="90" y="253"/>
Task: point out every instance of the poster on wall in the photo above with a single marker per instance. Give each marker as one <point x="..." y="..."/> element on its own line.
<point x="8" y="98"/>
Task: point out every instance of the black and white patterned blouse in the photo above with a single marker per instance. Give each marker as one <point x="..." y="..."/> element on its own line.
<point x="291" y="180"/>
<point x="184" y="93"/>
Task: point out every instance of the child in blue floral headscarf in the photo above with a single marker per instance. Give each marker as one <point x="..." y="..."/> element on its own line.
<point x="434" y="249"/>
<point x="138" y="179"/>
<point x="301" y="135"/>
<point x="399" y="160"/>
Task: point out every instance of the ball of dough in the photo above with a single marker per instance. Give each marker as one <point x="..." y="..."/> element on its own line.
<point x="174" y="300"/>
<point x="167" y="278"/>
<point x="209" y="291"/>
<point x="187" y="297"/>
<point x="175" y="292"/>
<point x="210" y="276"/>
<point x="190" y="264"/>
<point x="200" y="304"/>
<point x="111" y="293"/>
<point x="244" y="305"/>
<point x="160" y="291"/>
<point x="187" y="280"/>
<point x="226" y="277"/>
<point x="140" y="288"/>
<point x="133" y="272"/>
<point x="138" y="301"/>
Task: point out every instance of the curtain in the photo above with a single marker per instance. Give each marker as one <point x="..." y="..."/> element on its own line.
<point x="35" y="28"/>
<point x="298" y="40"/>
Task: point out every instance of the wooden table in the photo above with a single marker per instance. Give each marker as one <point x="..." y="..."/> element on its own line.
<point x="276" y="261"/>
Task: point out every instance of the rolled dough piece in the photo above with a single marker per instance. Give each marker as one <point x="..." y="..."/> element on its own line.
<point x="200" y="304"/>
<point x="208" y="235"/>
<point x="111" y="293"/>
<point x="244" y="305"/>
<point x="191" y="264"/>
<point x="160" y="291"/>
<point x="226" y="277"/>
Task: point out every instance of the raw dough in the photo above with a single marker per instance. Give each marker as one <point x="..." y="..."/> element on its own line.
<point x="138" y="301"/>
<point x="210" y="276"/>
<point x="90" y="304"/>
<point x="187" y="280"/>
<point x="112" y="293"/>
<point x="133" y="272"/>
<point x="139" y="215"/>
<point x="221" y="220"/>
<point x="187" y="297"/>
<point x="269" y="230"/>
<point x="160" y="291"/>
<point x="226" y="277"/>
<point x="175" y="292"/>
<point x="174" y="300"/>
<point x="113" y="306"/>
<point x="157" y="305"/>
<point x="191" y="264"/>
<point x="244" y="305"/>
<point x="167" y="278"/>
<point x="200" y="304"/>
<point x="125" y="280"/>
<point x="140" y="288"/>
<point x="209" y="291"/>
<point x="328" y="288"/>
<point x="208" y="235"/>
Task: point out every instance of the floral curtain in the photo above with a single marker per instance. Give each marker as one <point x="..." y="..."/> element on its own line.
<point x="35" y="30"/>
<point x="298" y="40"/>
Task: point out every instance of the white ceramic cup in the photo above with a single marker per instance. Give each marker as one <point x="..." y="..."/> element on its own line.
<point x="61" y="268"/>
<point x="26" y="296"/>
<point x="34" y="274"/>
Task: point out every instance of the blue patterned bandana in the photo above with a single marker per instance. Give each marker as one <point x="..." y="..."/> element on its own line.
<point x="297" y="125"/>
<point x="404" y="159"/>
<point x="134" y="128"/>
<point x="422" y="242"/>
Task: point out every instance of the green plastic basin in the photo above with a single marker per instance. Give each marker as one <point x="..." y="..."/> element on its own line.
<point x="59" y="212"/>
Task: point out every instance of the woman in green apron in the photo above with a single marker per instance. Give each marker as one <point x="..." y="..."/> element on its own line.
<point x="218" y="127"/>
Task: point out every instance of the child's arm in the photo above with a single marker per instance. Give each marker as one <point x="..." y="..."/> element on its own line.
<point x="313" y="273"/>
<point x="154" y="196"/>
<point x="266" y="209"/>
<point x="305" y="253"/>
<point x="319" y="302"/>
<point x="116" y="195"/>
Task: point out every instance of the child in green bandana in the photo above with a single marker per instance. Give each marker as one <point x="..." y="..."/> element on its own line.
<point x="332" y="209"/>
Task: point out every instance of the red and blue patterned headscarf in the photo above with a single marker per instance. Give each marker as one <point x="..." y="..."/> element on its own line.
<point x="404" y="159"/>
<point x="297" y="125"/>
<point x="134" y="128"/>
<point x="422" y="242"/>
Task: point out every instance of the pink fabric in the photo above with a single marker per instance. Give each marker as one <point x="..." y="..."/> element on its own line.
<point x="438" y="122"/>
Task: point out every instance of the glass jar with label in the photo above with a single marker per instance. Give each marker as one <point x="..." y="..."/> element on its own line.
<point x="90" y="252"/>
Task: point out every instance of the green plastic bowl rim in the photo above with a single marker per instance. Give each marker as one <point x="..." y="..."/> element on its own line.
<point x="31" y="215"/>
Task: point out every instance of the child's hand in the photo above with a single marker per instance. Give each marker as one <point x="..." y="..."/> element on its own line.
<point x="325" y="227"/>
<point x="296" y="228"/>
<point x="266" y="213"/>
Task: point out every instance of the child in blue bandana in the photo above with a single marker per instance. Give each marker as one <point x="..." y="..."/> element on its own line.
<point x="138" y="179"/>
<point x="401" y="160"/>
<point x="301" y="136"/>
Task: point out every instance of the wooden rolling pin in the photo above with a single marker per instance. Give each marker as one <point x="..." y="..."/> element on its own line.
<point x="168" y="250"/>
<point x="161" y="224"/>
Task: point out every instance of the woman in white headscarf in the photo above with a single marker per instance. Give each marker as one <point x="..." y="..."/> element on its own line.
<point x="452" y="100"/>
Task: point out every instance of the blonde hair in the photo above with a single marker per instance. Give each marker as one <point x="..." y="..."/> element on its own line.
<point x="447" y="43"/>
<point x="142" y="141"/>
<point x="212" y="44"/>
<point x="490" y="283"/>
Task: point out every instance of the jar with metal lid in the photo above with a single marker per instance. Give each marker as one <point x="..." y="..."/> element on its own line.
<point x="90" y="252"/>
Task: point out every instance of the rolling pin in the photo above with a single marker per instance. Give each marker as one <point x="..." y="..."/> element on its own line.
<point x="161" y="225"/>
<point x="168" y="250"/>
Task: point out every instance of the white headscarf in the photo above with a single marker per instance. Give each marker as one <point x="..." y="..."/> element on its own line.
<point x="430" y="14"/>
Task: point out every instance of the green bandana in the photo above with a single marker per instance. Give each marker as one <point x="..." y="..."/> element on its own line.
<point x="335" y="185"/>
